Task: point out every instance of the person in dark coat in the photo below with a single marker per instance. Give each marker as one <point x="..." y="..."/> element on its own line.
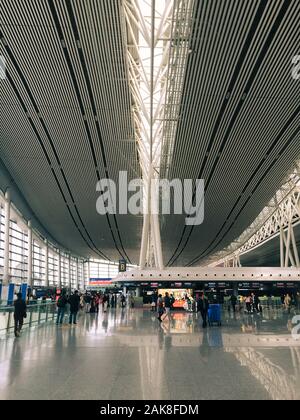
<point x="61" y="307"/>
<point x="233" y="300"/>
<point x="202" y="307"/>
<point x="19" y="314"/>
<point x="74" y="301"/>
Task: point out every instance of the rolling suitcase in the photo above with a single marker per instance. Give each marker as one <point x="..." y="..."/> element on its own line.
<point x="214" y="314"/>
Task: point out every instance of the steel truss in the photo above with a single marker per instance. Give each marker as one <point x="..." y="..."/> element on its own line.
<point x="157" y="38"/>
<point x="279" y="217"/>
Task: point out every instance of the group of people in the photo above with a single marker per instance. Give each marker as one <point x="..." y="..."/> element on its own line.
<point x="165" y="304"/>
<point x="251" y="303"/>
<point x="157" y="302"/>
<point x="74" y="301"/>
<point x="92" y="301"/>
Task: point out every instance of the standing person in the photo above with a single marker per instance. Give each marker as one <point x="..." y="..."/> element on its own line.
<point x="87" y="300"/>
<point x="160" y="307"/>
<point x="172" y="300"/>
<point x="97" y="302"/>
<point x="248" y="303"/>
<point x="131" y="298"/>
<point x="74" y="301"/>
<point x="105" y="302"/>
<point x="123" y="300"/>
<point x="167" y="305"/>
<point x="19" y="314"/>
<point x="202" y="307"/>
<point x="112" y="300"/>
<point x="287" y="303"/>
<point x="256" y="302"/>
<point x="298" y="300"/>
<point x="233" y="301"/>
<point x="153" y="302"/>
<point x="61" y="307"/>
<point x="82" y="303"/>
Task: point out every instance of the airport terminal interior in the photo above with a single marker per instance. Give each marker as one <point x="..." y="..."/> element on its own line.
<point x="149" y="200"/>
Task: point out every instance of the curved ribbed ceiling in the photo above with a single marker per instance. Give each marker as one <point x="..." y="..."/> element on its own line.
<point x="66" y="121"/>
<point x="240" y="119"/>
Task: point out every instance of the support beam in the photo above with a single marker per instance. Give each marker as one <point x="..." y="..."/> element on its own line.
<point x="296" y="254"/>
<point x="157" y="34"/>
<point x="59" y="269"/>
<point x="206" y="274"/>
<point x="46" y="263"/>
<point x="7" y="207"/>
<point x="281" y="247"/>
<point x="69" y="272"/>
<point x="30" y="255"/>
<point x="78" y="286"/>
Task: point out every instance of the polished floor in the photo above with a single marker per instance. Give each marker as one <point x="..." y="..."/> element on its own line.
<point x="126" y="354"/>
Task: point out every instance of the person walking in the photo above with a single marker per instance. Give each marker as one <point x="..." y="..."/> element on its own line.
<point x="202" y="307"/>
<point x="256" y="302"/>
<point x="61" y="308"/>
<point x="160" y="307"/>
<point x="123" y="301"/>
<point x="167" y="305"/>
<point x="233" y="301"/>
<point x="19" y="314"/>
<point x="74" y="301"/>
<point x="87" y="300"/>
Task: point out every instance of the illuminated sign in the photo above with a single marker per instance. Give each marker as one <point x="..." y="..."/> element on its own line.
<point x="100" y="282"/>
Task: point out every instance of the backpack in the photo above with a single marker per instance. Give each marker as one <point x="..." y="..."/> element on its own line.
<point x="60" y="302"/>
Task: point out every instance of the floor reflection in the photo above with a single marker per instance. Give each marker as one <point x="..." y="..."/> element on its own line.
<point x="250" y="356"/>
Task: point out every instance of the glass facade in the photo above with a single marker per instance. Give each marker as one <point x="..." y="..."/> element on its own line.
<point x="74" y="271"/>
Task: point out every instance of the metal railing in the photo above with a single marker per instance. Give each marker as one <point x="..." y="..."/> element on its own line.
<point x="36" y="314"/>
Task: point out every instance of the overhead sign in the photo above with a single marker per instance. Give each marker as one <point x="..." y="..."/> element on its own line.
<point x="122" y="266"/>
<point x="100" y="282"/>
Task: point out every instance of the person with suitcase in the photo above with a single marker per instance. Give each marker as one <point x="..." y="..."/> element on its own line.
<point x="202" y="307"/>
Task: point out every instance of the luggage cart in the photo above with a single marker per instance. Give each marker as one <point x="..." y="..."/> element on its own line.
<point x="214" y="315"/>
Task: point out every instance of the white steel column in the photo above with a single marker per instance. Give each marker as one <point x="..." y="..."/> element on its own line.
<point x="281" y="247"/>
<point x="69" y="270"/>
<point x="59" y="269"/>
<point x="88" y="273"/>
<point x="296" y="254"/>
<point x="30" y="246"/>
<point x="157" y="38"/>
<point x="6" y="274"/>
<point x="77" y="274"/>
<point x="46" y="263"/>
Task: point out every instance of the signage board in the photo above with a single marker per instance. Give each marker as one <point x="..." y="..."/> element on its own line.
<point x="122" y="266"/>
